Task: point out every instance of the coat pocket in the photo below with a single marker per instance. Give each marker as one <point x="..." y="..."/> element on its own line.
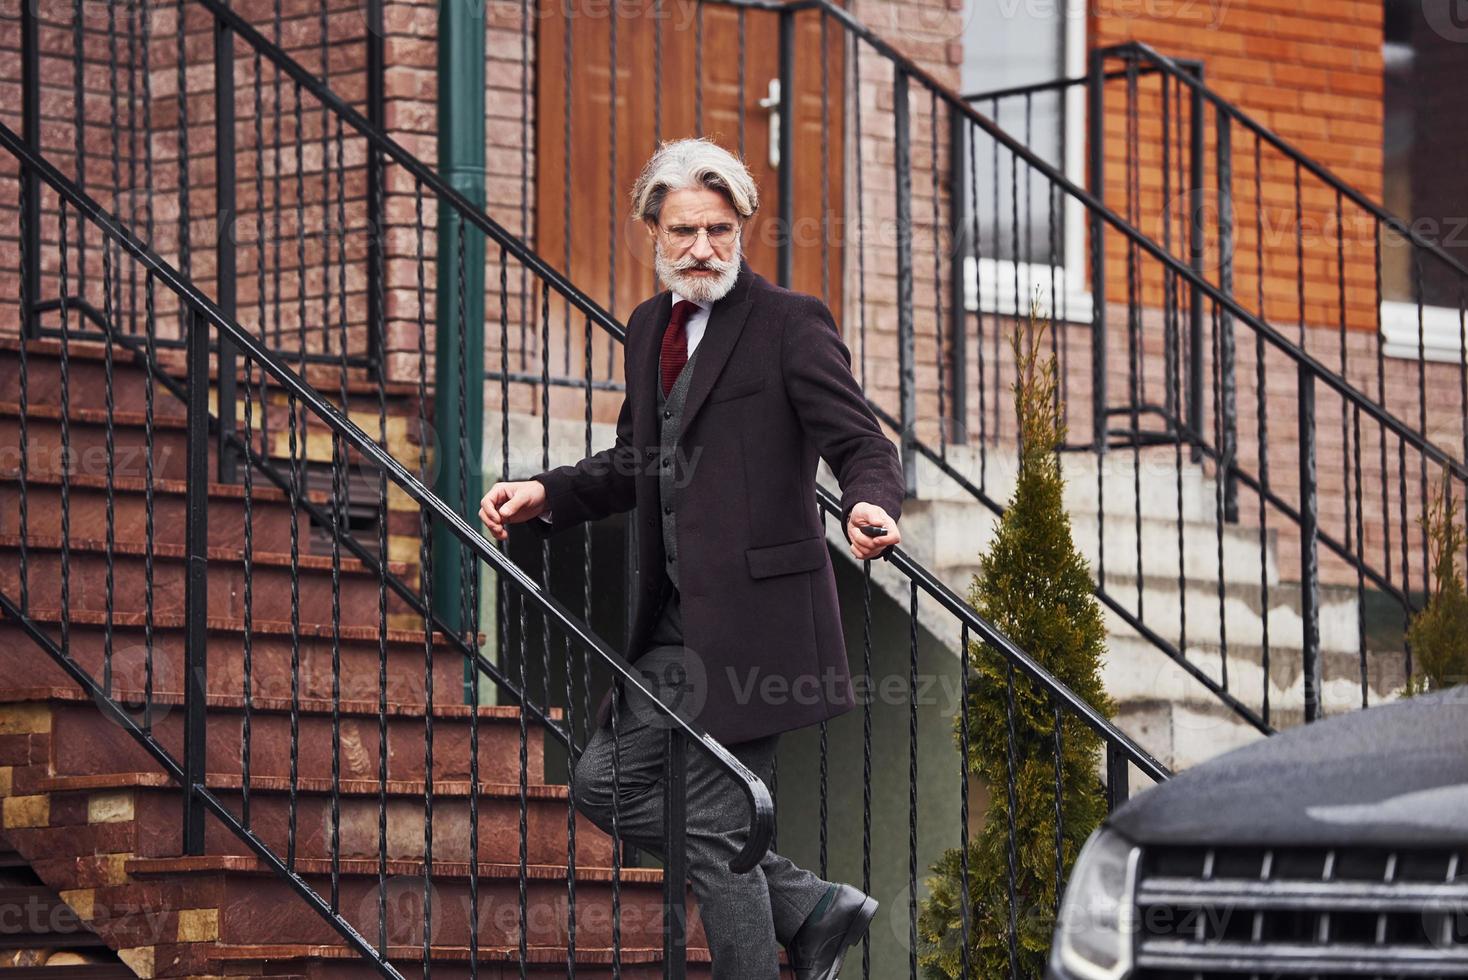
<point x="804" y="555"/>
<point x="737" y="389"/>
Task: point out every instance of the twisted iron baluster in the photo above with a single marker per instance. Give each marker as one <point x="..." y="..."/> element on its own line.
<point x="616" y="831"/>
<point x="1420" y="292"/>
<point x="1299" y="256"/>
<point x="1059" y="808"/>
<point x="1011" y="855"/>
<point x="612" y="215"/>
<point x="185" y="258"/>
<point x="65" y="368"/>
<point x="1219" y="479"/>
<point x="698" y="68"/>
<point x="341" y="509"/>
<point x="937" y="268"/>
<point x="741" y="83"/>
<point x="572" y="757"/>
<point x="248" y="469"/>
<point x="525" y="138"/>
<point x="1360" y="550"/>
<point x="546" y="620"/>
<point x="383" y="514"/>
<point x="79" y="98"/>
<point x="111" y="395"/>
<point x="963" y="767"/>
<point x="826" y="165"/>
<point x="276" y="147"/>
<point x="26" y="301"/>
<point x="325" y="50"/>
<point x="973" y="186"/>
<point x="566" y="63"/>
<point x="468" y="605"/>
<point x="425" y="572"/>
<point x="866" y="752"/>
<point x="297" y="488"/>
<point x="912" y="773"/>
<point x="1264" y="430"/>
<point x="146" y="19"/>
<point x="1134" y="315"/>
<point x="524" y="829"/>
<point x="151" y="341"/>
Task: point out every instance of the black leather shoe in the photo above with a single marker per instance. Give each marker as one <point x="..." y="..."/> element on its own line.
<point x="817" y="949"/>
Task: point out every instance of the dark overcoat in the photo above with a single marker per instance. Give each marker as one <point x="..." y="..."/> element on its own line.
<point x="772" y="392"/>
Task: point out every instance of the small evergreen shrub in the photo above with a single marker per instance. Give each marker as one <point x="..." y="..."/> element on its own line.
<point x="1438" y="633"/>
<point x="1036" y="588"/>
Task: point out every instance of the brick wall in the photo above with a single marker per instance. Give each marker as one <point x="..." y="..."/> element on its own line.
<point x="1310" y="72"/>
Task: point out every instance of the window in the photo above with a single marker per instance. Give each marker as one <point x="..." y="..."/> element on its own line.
<point x="1424" y="143"/>
<point x="1004" y="46"/>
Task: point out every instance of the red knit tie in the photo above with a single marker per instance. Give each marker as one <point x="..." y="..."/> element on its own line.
<point x="675" y="343"/>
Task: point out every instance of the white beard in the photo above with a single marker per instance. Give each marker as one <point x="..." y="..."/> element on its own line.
<point x="699" y="290"/>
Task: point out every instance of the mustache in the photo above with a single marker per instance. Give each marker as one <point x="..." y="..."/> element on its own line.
<point x="706" y="265"/>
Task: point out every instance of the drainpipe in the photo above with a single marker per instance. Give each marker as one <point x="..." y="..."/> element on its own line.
<point x="459" y="377"/>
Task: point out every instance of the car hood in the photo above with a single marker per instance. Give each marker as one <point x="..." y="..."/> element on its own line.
<point x="1385" y="775"/>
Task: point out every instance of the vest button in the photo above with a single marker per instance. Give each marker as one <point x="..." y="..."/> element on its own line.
<point x="667" y="414"/>
<point x="667" y="462"/>
<point x="667" y="510"/>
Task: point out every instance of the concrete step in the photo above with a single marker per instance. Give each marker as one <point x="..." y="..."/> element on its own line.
<point x="322" y="962"/>
<point x="271" y="577"/>
<point x="80" y="741"/>
<point x="271" y="651"/>
<point x="947" y="533"/>
<point x="138" y="813"/>
<point x="256" y="908"/>
<point x="1153" y="476"/>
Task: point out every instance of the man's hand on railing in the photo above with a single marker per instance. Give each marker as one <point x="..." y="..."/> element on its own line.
<point x="511" y="503"/>
<point x="870" y="515"/>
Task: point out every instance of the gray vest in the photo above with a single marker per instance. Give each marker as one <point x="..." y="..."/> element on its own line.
<point x="670" y="419"/>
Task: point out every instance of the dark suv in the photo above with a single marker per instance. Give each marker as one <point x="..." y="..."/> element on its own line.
<point x="1337" y="849"/>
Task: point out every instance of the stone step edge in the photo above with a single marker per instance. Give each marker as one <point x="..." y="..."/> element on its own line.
<point x="172" y="361"/>
<point x="262" y="492"/>
<point x="587" y="955"/>
<point x="174" y="552"/>
<point x="248" y="864"/>
<point x="272" y="705"/>
<point x="312" y="785"/>
<point x="236" y="624"/>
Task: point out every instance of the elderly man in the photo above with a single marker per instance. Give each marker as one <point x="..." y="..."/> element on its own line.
<point x="734" y="387"/>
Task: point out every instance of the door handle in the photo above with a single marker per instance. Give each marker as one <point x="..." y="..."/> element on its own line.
<point x="771" y="104"/>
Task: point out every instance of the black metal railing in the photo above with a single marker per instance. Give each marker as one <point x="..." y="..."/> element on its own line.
<point x="1351" y="497"/>
<point x="38" y="597"/>
<point x="1376" y="299"/>
<point x="329" y="479"/>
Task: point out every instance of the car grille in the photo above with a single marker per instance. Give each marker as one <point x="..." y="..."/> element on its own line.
<point x="1309" y="912"/>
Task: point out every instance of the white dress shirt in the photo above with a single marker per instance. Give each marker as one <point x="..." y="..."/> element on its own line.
<point x="694" y="328"/>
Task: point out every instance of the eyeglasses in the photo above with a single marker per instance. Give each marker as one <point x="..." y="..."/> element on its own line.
<point x="685" y="235"/>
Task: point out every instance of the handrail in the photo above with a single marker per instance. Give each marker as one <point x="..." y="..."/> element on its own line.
<point x="1170" y="66"/>
<point x="1057" y="688"/>
<point x="910" y="68"/>
<point x="427" y="175"/>
<point x="1302" y="360"/>
<point x="757" y="795"/>
<point x="1139" y="756"/>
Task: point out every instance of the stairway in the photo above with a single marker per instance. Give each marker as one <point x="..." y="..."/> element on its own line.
<point x="1159" y="703"/>
<point x="88" y="809"/>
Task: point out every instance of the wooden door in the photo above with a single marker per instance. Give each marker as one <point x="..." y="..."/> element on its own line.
<point x="701" y="94"/>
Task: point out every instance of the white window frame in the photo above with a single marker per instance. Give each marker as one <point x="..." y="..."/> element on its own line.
<point x="1441" y="337"/>
<point x="990" y="287"/>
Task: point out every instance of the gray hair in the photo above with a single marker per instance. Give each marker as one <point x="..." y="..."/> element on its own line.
<point x="693" y="163"/>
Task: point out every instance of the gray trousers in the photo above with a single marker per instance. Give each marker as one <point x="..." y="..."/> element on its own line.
<point x="744" y="916"/>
